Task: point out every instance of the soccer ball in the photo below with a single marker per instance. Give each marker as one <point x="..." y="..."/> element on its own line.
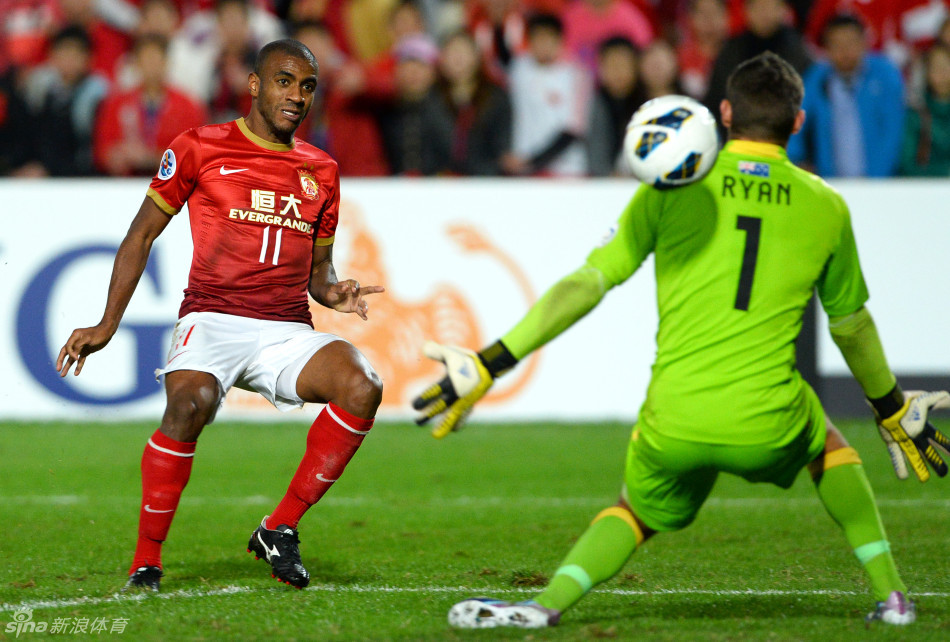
<point x="671" y="141"/>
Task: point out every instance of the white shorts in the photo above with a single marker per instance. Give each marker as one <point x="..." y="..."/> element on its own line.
<point x="252" y="354"/>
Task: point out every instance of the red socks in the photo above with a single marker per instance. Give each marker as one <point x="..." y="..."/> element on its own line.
<point x="331" y="443"/>
<point x="166" y="466"/>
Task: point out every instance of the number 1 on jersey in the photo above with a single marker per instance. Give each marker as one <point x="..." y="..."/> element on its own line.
<point x="752" y="227"/>
<point x="276" y="244"/>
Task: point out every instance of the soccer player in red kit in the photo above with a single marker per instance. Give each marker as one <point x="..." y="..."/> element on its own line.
<point x="263" y="209"/>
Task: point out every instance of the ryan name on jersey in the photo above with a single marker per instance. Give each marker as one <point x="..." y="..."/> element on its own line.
<point x="756" y="189"/>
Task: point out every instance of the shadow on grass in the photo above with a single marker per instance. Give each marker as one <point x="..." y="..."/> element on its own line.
<point x="245" y="569"/>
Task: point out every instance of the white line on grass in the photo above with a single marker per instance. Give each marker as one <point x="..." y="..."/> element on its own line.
<point x="461" y="590"/>
<point x="463" y="501"/>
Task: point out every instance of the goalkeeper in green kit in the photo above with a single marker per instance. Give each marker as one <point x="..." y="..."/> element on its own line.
<point x="737" y="255"/>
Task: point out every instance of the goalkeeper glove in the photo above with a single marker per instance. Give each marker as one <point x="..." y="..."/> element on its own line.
<point x="468" y="377"/>
<point x="909" y="437"/>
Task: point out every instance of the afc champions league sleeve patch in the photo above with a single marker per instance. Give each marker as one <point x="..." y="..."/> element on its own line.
<point x="308" y="185"/>
<point x="168" y="166"/>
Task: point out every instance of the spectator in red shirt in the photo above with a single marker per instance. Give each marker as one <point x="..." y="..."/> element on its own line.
<point x="134" y="127"/>
<point x="707" y="27"/>
<point x="344" y="122"/>
<point x="376" y="79"/>
<point x="25" y="28"/>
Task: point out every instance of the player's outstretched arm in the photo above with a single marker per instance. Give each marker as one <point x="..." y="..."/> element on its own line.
<point x="342" y="296"/>
<point x="130" y="260"/>
<point x="469" y="375"/>
<point x="902" y="419"/>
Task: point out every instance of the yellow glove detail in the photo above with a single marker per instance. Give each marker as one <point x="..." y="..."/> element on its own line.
<point x="465" y="382"/>
<point x="910" y="438"/>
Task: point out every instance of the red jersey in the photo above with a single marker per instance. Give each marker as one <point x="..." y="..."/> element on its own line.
<point x="256" y="209"/>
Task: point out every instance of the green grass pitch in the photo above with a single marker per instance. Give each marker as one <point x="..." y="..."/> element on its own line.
<point x="417" y="524"/>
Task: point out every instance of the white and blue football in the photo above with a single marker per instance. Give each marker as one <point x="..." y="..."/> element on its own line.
<point x="671" y="141"/>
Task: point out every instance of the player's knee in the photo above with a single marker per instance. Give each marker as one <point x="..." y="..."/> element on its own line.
<point x="188" y="411"/>
<point x="362" y="393"/>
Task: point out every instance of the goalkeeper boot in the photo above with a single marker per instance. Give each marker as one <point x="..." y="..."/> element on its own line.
<point x="146" y="578"/>
<point x="281" y="548"/>
<point x="897" y="609"/>
<point x="487" y="613"/>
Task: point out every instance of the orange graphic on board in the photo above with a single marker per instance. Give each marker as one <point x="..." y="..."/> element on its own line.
<point x="393" y="337"/>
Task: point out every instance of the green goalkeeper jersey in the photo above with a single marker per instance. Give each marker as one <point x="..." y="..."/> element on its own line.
<point x="737" y="257"/>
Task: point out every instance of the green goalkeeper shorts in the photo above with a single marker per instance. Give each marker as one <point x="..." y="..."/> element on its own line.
<point x="667" y="480"/>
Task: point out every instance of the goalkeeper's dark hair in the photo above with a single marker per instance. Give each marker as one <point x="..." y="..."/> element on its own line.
<point x="766" y="95"/>
<point x="288" y="47"/>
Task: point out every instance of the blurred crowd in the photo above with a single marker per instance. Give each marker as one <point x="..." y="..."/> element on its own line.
<point x="466" y="87"/>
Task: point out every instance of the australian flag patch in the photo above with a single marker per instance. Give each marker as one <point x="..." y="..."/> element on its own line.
<point x="754" y="169"/>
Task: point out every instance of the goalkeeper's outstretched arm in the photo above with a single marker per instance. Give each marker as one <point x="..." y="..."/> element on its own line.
<point x="857" y="338"/>
<point x="902" y="421"/>
<point x="564" y="304"/>
<point x="469" y="375"/>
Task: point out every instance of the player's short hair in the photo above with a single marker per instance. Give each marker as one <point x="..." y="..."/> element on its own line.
<point x="288" y="47"/>
<point x="766" y="95"/>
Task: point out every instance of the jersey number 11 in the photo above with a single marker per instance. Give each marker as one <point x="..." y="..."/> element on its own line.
<point x="277" y="236"/>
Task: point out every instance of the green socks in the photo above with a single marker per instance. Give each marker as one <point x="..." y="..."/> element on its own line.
<point x="597" y="556"/>
<point x="846" y="493"/>
<point x="844" y="489"/>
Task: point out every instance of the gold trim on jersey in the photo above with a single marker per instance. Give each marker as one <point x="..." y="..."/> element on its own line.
<point x="755" y="148"/>
<point x="324" y="242"/>
<point x="260" y="142"/>
<point x="158" y="200"/>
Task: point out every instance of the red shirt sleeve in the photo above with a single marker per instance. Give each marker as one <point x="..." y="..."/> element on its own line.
<point x="177" y="173"/>
<point x="326" y="228"/>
